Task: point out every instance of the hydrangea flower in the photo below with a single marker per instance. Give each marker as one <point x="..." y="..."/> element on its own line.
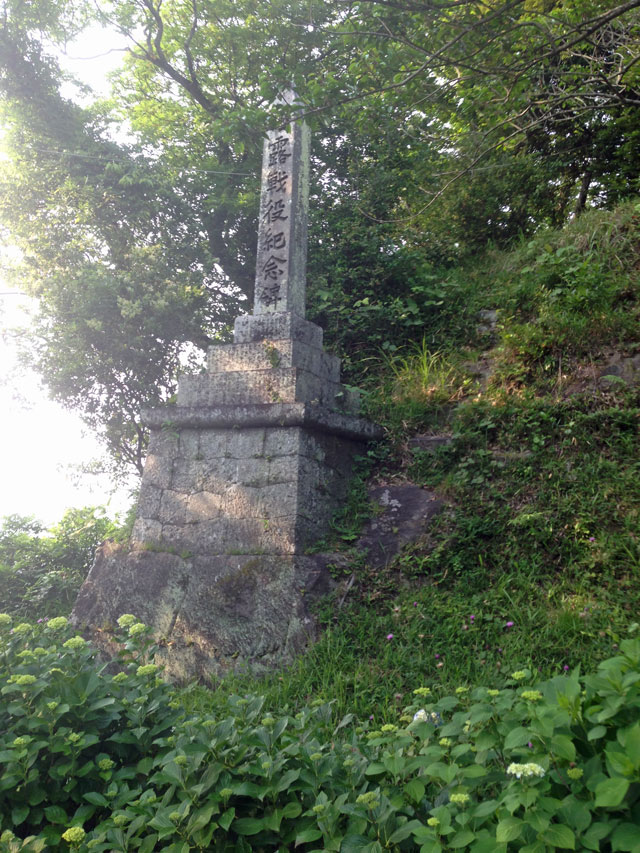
<point x="459" y="798"/>
<point x="127" y="620"/>
<point x="575" y="773"/>
<point x="531" y="695"/>
<point x="138" y="628"/>
<point x="519" y="674"/>
<point x="23" y="680"/>
<point x="526" y="770"/>
<point x="370" y="800"/>
<point x="5" y="619"/>
<point x="74" y="835"/>
<point x="147" y="669"/>
<point x="22" y="628"/>
<point x="422" y="691"/>
<point x="74" y="643"/>
<point x="57" y="623"/>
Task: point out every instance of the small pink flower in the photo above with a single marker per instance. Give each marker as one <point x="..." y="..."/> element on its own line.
<point x="530" y="745"/>
<point x="371" y="716"/>
<point x="509" y="624"/>
<point x="389" y="636"/>
<point x="437" y="656"/>
<point x="471" y="618"/>
<point x="566" y="667"/>
<point x="592" y="539"/>
<point x="415" y="603"/>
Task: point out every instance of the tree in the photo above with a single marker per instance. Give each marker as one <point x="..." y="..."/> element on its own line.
<point x="438" y="125"/>
<point x="41" y="570"/>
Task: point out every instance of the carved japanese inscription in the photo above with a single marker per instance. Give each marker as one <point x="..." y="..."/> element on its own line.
<point x="282" y="228"/>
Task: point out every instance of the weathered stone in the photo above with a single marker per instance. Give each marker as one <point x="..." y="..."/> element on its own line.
<point x="403" y="515"/>
<point x="277" y="385"/>
<point x="157" y="470"/>
<point x="275" y="327"/>
<point x="282" y="224"/>
<point x="268" y="355"/>
<point x="148" y="505"/>
<point x="243" y="474"/>
<point x="146" y="531"/>
<point x="429" y="443"/>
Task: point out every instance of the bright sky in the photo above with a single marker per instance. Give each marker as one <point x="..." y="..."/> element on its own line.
<point x="42" y="444"/>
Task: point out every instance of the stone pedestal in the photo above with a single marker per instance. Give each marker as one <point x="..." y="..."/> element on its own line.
<point x="241" y="477"/>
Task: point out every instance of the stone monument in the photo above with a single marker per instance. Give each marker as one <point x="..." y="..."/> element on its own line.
<point x="244" y="473"/>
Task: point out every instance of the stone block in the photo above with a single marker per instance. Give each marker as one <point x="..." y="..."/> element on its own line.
<point x="148" y="505"/>
<point x="173" y="507"/>
<point x="204" y="506"/>
<point x="231" y="536"/>
<point x="146" y="532"/>
<point x="270" y="355"/>
<point x="245" y="443"/>
<point x="189" y="475"/>
<point x="163" y="442"/>
<point x="273" y="327"/>
<point x="213" y="443"/>
<point x="253" y="473"/>
<point x="158" y="470"/>
<point x="189" y="445"/>
<point x="282" y="441"/>
<point x="282" y="469"/>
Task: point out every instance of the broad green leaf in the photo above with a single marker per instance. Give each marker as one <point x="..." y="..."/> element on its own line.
<point x="611" y="792"/>
<point x="19" y="814"/>
<point x="509" y="829"/>
<point x="226" y="819"/>
<point x="96" y="798"/>
<point x="626" y="837"/>
<point x="596" y="732"/>
<point x="249" y="825"/>
<point x="415" y="790"/>
<point x="485" y="808"/>
<point x="461" y="839"/>
<point x="405" y="831"/>
<point x="560" y="836"/>
<point x="630" y="740"/>
<point x="517" y="737"/>
<point x="354" y="844"/>
<point x="56" y="814"/>
<point x="563" y="747"/>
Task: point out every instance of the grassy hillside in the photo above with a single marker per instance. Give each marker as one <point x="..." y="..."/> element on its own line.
<point x="481" y="693"/>
<point x="536" y="560"/>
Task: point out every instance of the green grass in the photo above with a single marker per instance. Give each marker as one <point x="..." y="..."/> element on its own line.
<point x="542" y="525"/>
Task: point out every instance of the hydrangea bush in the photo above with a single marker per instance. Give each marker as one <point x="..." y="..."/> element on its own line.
<point x="98" y="759"/>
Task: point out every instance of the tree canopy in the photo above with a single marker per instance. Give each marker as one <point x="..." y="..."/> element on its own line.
<point x="439" y="126"/>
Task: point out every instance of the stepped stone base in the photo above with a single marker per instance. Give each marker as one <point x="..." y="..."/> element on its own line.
<point x="241" y="477"/>
<point x="211" y="614"/>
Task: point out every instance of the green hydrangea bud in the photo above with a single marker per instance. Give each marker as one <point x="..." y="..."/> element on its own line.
<point x="74" y="835"/>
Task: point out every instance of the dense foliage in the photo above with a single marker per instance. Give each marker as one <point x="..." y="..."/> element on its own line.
<point x="99" y="761"/>
<point x="438" y="127"/>
<point x="42" y="569"/>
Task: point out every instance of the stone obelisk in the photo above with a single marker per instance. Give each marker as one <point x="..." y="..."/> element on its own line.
<point x="244" y="473"/>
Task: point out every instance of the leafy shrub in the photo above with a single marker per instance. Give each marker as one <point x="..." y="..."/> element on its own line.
<point x="96" y="761"/>
<point x="42" y="569"/>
